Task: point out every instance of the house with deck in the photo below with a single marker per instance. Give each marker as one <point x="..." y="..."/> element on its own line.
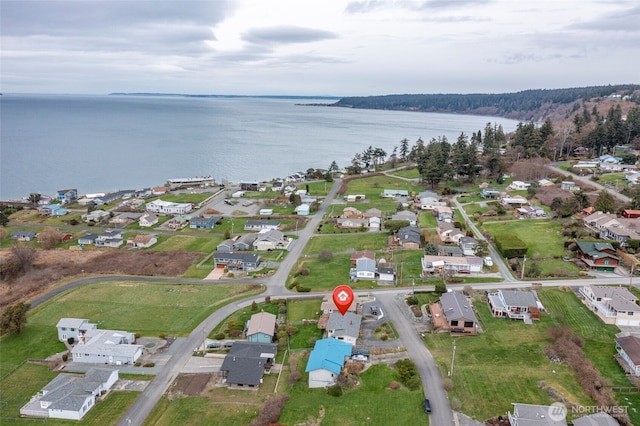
<point x="236" y="261"/>
<point x="326" y="361"/>
<point x="536" y="415"/>
<point x="459" y="318"/>
<point x="599" y="256"/>
<point x="628" y="354"/>
<point x="612" y="304"/>
<point x="515" y="304"/>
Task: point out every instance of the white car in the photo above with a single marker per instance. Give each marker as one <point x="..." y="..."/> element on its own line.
<point x="362" y="358"/>
<point x="488" y="261"/>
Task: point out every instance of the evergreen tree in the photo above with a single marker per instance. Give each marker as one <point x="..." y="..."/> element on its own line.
<point x="605" y="202"/>
<point x="14" y="318"/>
<point x="404" y="149"/>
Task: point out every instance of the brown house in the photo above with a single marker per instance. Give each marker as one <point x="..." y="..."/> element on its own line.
<point x="367" y="254"/>
<point x="454" y="314"/>
<point x="600" y="256"/>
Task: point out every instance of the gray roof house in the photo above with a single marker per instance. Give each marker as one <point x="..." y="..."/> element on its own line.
<point x="73" y="327"/>
<point x="236" y="261"/>
<point x="271" y="240"/>
<point x="365" y="269"/>
<point x="344" y="327"/>
<point x="468" y="245"/>
<point x="204" y="222"/>
<point x="406" y="215"/>
<point x="409" y="237"/>
<point x="87" y="239"/>
<point x="458" y="313"/>
<point x="70" y="396"/>
<point x="246" y="362"/>
<point x="23" y="235"/>
<point x="515" y="304"/>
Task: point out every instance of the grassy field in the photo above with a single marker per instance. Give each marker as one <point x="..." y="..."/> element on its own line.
<point x="427" y="220"/>
<point x="189" y="243"/>
<point x="373" y="186"/>
<point x="507" y="363"/>
<point x="340" y="244"/>
<point x="18" y="387"/>
<point x="241" y="316"/>
<point x="371" y="403"/>
<point x="407" y="173"/>
<point x="298" y="310"/>
<point x="325" y="274"/>
<point x="541" y="236"/>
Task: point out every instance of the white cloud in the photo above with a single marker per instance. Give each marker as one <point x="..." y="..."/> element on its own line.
<point x="315" y="46"/>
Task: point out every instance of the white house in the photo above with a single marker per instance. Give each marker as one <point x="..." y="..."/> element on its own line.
<point x="70" y="396"/>
<point x="270" y="240"/>
<point x="147" y="220"/>
<point x="517" y="185"/>
<point x="303" y="210"/>
<point x="612" y="304"/>
<point x="344" y="327"/>
<point x="326" y="361"/>
<point x="166" y="207"/>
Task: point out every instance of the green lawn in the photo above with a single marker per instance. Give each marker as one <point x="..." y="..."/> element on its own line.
<point x="342" y="243"/>
<point x="541" y="236"/>
<point x="507" y="363"/>
<point x="147" y="308"/>
<point x="371" y="403"/>
<point x="408" y="173"/>
<point x="199" y="410"/>
<point x="373" y="186"/>
<point x="427" y="220"/>
<point x="298" y="310"/>
<point x="242" y="315"/>
<point x="503" y="365"/>
<point x="325" y="274"/>
<point x="556" y="268"/>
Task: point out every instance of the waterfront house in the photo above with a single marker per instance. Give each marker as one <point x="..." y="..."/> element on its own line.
<point x="67" y="195"/>
<point x="52" y="210"/>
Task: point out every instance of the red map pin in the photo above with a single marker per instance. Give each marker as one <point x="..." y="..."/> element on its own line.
<point x="343" y="298"/>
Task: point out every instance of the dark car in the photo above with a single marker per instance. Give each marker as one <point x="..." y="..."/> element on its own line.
<point x="427" y="406"/>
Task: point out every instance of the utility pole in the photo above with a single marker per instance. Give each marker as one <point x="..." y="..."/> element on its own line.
<point x="523" y="263"/>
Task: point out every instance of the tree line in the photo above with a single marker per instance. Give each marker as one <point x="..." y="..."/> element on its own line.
<point x="524" y="104"/>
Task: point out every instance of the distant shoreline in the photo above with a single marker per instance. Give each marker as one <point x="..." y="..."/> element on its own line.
<point x="186" y="95"/>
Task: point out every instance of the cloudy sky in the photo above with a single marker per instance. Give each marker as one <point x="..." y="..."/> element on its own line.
<point x="316" y="47"/>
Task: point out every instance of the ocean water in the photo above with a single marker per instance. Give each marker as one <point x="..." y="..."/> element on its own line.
<point x="107" y="143"/>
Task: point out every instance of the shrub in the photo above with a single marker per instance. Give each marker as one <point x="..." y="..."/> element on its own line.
<point x="303" y="289"/>
<point x="282" y="309"/>
<point x="412" y="300"/>
<point x="137" y="364"/>
<point x="137" y="335"/>
<point x="71" y="340"/>
<point x="294" y="377"/>
<point x="304" y="271"/>
<point x="149" y="364"/>
<point x="325" y="255"/>
<point x="220" y="336"/>
<point x="394" y="385"/>
<point x="254" y="306"/>
<point x="65" y="357"/>
<point x="235" y="333"/>
<point x="334" y="390"/>
<point x="447" y="384"/>
<point x="267" y="300"/>
<point x="162" y="336"/>
<point x="384" y="337"/>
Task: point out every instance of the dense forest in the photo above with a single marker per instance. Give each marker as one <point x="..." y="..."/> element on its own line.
<point x="526" y="105"/>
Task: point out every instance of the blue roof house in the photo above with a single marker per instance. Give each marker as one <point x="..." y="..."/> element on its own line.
<point x="326" y="361"/>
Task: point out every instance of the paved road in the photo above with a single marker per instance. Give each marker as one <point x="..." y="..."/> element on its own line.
<point x="505" y="271"/>
<point x="441" y="413"/>
<point x="587" y="181"/>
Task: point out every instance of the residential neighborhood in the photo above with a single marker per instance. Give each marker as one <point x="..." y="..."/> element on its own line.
<point x="433" y="273"/>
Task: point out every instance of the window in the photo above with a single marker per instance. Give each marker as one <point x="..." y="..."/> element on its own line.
<point x="630" y="313"/>
<point x="63" y="328"/>
<point x="454" y="323"/>
<point x="468" y="324"/>
<point x="72" y="329"/>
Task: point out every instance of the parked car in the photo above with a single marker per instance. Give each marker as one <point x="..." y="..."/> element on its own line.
<point x="228" y="344"/>
<point x="488" y="261"/>
<point x="427" y="406"/>
<point x="213" y="345"/>
<point x="362" y="358"/>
